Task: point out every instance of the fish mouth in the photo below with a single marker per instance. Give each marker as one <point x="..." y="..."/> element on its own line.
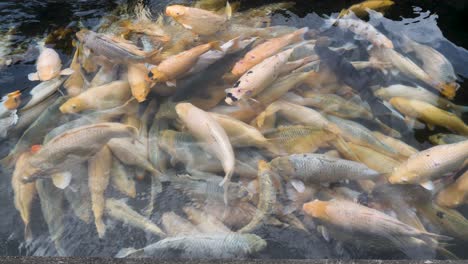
<point x="230" y="99"/>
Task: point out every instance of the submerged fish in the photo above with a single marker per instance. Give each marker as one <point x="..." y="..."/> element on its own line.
<point x="211" y="134"/>
<point x="433" y="62"/>
<point x="430" y="164"/>
<point x="454" y="194"/>
<point x="122" y="178"/>
<point x="175" y="66"/>
<point x="267" y="198"/>
<point x="98" y="98"/>
<point x="48" y="66"/>
<point x="354" y="217"/>
<point x="52" y="207"/>
<point x="440" y="138"/>
<point x="265" y="50"/>
<point x="73" y="147"/>
<point x="258" y="77"/>
<point x="24" y="194"/>
<point x="42" y="91"/>
<point x="9" y="103"/>
<point x="429" y="114"/>
<point x="421" y="94"/>
<point x="298" y="139"/>
<point x="114" y="48"/>
<point x="121" y="211"/>
<point x="364" y="30"/>
<point x="175" y="225"/>
<point x="317" y="168"/>
<point x="217" y="246"/>
<point x="205" y="222"/>
<point x="99" y="167"/>
<point x="409" y="68"/>
<point x="197" y="20"/>
<point x="137" y="80"/>
<point x="447" y="221"/>
<point x="360" y="9"/>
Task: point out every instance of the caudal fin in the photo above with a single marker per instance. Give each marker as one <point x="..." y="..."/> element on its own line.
<point x="228" y="10"/>
<point x="27" y="233"/>
<point x="298" y="35"/>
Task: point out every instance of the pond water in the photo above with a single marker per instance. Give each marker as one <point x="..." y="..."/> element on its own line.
<point x="62" y="222"/>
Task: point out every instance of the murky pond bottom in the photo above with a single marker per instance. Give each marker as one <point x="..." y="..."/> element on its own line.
<point x="312" y="140"/>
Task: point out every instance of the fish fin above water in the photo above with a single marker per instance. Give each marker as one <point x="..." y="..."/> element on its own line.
<point x="187" y="26"/>
<point x="61" y="180"/>
<point x="129" y="252"/>
<point x="298" y="185"/>
<point x="67" y="71"/>
<point x="228" y="10"/>
<point x="394" y="72"/>
<point x="27" y="233"/>
<point x="33" y="76"/>
<point x="429" y="185"/>
<point x="324" y="232"/>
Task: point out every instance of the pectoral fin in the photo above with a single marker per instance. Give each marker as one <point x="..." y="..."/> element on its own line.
<point x="33" y="76"/>
<point x="61" y="180"/>
<point x="67" y="71"/>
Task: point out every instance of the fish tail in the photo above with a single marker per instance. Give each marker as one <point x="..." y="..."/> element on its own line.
<point x="228" y="10"/>
<point x="461" y="109"/>
<point x="129" y="252"/>
<point x="298" y="35"/>
<point x="437" y="236"/>
<point x="343" y="148"/>
<point x="154" y="56"/>
<point x="8" y="161"/>
<point x="342" y="13"/>
<point x="27" y="232"/>
<point x="446" y="253"/>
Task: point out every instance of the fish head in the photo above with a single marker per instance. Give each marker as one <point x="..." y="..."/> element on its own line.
<point x="72" y="106"/>
<point x="282" y="166"/>
<point x="13" y="100"/>
<point x="234" y="94"/>
<point x="402" y="105"/>
<point x="255" y="242"/>
<point x="133" y="131"/>
<point x="176" y="11"/>
<point x="156" y="76"/>
<point x="316" y="209"/>
<point x="449" y="90"/>
<point x="237" y="192"/>
<point x="381" y="93"/>
<point x="400" y="178"/>
<point x="81" y="35"/>
<point x="437" y="139"/>
<point x="140" y="91"/>
<point x="182" y="109"/>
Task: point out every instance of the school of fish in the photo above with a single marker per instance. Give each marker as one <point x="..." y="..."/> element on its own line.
<point x="249" y="125"/>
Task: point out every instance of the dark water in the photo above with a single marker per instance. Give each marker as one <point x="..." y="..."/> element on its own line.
<point x="439" y="24"/>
